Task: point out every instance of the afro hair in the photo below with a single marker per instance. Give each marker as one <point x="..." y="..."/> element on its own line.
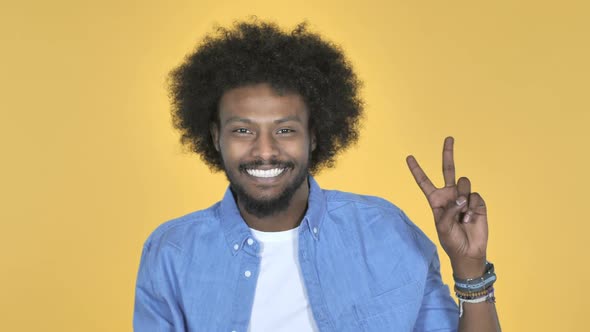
<point x="253" y="52"/>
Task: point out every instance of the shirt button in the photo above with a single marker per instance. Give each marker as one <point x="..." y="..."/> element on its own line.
<point x="315" y="230"/>
<point x="247" y="274"/>
<point x="250" y="242"/>
<point x="236" y="246"/>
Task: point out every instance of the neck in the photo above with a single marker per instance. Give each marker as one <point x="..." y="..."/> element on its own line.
<point x="284" y="220"/>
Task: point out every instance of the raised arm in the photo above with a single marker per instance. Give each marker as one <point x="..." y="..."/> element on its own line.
<point x="461" y="223"/>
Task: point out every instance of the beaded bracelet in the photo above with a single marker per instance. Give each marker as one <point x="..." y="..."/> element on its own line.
<point x="474" y="295"/>
<point x="476" y="290"/>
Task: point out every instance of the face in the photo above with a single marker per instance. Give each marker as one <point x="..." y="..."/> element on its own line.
<point x="265" y="144"/>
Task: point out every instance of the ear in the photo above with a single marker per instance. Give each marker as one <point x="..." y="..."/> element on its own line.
<point x="313" y="140"/>
<point x="214" y="130"/>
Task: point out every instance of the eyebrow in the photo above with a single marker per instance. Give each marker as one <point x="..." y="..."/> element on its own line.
<point x="287" y="119"/>
<point x="277" y="121"/>
<point x="237" y="119"/>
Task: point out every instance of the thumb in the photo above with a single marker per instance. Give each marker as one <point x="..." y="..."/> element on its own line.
<point x="451" y="214"/>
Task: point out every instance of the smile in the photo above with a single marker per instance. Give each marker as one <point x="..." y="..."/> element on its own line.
<point x="265" y="173"/>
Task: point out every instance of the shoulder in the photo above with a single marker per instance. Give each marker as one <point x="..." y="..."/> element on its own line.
<point x="181" y="231"/>
<point x="377" y="218"/>
<point x="368" y="209"/>
<point x="337" y="199"/>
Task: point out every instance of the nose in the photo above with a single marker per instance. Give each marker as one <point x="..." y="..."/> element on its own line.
<point x="265" y="147"/>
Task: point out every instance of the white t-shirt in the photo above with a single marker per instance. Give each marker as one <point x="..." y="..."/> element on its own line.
<point x="280" y="301"/>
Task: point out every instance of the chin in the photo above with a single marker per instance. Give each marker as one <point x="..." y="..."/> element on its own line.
<point x="266" y="196"/>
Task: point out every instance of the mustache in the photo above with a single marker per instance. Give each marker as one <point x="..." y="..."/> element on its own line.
<point x="273" y="163"/>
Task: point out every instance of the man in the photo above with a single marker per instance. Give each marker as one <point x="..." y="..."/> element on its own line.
<point x="278" y="253"/>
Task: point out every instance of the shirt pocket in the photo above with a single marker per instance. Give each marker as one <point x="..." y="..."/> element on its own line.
<point x="395" y="309"/>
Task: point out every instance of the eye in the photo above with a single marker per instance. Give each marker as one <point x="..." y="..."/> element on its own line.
<point x="285" y="131"/>
<point x="241" y="131"/>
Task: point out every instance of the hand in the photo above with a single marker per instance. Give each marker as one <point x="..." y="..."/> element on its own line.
<point x="460" y="216"/>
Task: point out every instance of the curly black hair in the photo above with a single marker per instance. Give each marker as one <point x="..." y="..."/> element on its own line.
<point x="252" y="52"/>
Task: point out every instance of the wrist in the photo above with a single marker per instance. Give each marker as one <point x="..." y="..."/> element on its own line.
<point x="475" y="289"/>
<point x="473" y="286"/>
<point x="468" y="268"/>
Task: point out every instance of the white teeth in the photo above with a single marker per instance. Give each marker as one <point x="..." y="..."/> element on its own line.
<point x="265" y="173"/>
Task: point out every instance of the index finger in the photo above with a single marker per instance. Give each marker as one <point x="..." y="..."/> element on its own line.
<point x="421" y="178"/>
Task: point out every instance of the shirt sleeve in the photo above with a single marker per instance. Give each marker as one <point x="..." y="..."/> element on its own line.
<point x="153" y="311"/>
<point x="438" y="311"/>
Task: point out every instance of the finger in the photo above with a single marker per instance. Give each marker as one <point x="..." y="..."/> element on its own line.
<point x="477" y="207"/>
<point x="421" y="179"/>
<point x="448" y="162"/>
<point x="464" y="189"/>
<point x="451" y="215"/>
<point x="475" y="226"/>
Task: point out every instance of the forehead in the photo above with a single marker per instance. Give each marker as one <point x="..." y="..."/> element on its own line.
<point x="261" y="103"/>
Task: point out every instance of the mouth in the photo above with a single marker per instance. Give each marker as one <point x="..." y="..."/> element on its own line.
<point x="265" y="173"/>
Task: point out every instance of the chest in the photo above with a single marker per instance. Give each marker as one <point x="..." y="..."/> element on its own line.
<point x="345" y="288"/>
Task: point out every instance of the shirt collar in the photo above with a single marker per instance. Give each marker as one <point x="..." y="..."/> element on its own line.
<point x="237" y="232"/>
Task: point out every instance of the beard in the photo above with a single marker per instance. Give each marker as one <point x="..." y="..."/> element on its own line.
<point x="264" y="207"/>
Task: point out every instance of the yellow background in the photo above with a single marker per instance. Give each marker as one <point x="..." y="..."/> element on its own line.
<point x="91" y="164"/>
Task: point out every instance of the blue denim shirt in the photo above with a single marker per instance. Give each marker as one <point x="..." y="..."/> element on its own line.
<point x="365" y="265"/>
